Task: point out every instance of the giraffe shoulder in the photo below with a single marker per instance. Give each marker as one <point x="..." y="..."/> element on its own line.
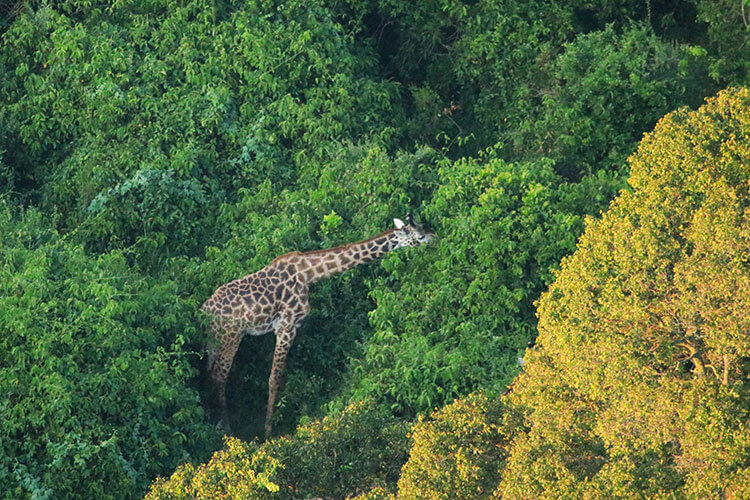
<point x="290" y="257"/>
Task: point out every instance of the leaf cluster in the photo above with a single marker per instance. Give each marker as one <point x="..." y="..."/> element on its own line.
<point x="94" y="370"/>
<point x="362" y="446"/>
<point x="462" y="312"/>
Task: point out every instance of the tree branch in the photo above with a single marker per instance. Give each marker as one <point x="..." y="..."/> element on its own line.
<point x="693" y="356"/>
<point x="725" y="378"/>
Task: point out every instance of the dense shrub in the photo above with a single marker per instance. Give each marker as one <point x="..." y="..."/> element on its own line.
<point x="577" y="82"/>
<point x="93" y="370"/>
<point x="455" y="317"/>
<point x="359" y="448"/>
<point x="139" y="124"/>
<point x="602" y="93"/>
<point x="726" y="39"/>
<point x="638" y="386"/>
<point x="238" y="471"/>
<point x="501" y="60"/>
<point x="465" y="65"/>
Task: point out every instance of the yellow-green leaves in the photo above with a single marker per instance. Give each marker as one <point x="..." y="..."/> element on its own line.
<point x="239" y="471"/>
<point x="331" y="222"/>
<point x="358" y="448"/>
<point x="639" y="384"/>
<point x="458" y="453"/>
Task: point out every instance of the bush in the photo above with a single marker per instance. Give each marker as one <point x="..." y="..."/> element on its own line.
<point x="140" y="123"/>
<point x="603" y="92"/>
<point x="359" y="448"/>
<point x="726" y="26"/>
<point x="238" y="471"/>
<point x="94" y="371"/>
<point x="459" y="453"/>
<point x="499" y="63"/>
<point x="454" y="317"/>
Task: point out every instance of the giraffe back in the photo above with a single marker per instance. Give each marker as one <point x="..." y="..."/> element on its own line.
<point x="258" y="301"/>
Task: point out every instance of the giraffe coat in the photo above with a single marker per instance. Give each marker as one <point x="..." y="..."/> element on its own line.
<point x="276" y="299"/>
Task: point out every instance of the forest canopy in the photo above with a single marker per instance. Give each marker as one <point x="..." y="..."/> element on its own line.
<point x="152" y="150"/>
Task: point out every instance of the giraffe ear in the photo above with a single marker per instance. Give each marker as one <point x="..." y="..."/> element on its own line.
<point x="399" y="223"/>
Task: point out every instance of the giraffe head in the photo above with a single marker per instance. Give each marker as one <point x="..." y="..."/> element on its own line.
<point x="410" y="234"/>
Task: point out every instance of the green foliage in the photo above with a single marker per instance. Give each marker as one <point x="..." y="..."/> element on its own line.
<point x="638" y="386"/>
<point x="548" y="79"/>
<point x="603" y="92"/>
<point x="155" y="118"/>
<point x="157" y="203"/>
<point x="465" y="64"/>
<point x="94" y="364"/>
<point x="361" y="447"/>
<point x="175" y="146"/>
<point x="728" y="31"/>
<point x="502" y="56"/>
<point x="455" y="318"/>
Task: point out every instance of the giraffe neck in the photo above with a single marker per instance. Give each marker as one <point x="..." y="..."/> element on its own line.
<point x="320" y="264"/>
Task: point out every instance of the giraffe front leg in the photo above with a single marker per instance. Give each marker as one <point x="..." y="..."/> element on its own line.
<point x="219" y="384"/>
<point x="284" y="338"/>
<point x="219" y="369"/>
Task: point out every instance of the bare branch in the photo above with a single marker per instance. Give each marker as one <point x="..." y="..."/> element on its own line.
<point x="713" y="369"/>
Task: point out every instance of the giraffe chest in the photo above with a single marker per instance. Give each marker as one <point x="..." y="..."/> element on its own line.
<point x="255" y="328"/>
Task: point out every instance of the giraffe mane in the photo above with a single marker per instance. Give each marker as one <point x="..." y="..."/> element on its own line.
<point x="333" y="249"/>
<point x="344" y="247"/>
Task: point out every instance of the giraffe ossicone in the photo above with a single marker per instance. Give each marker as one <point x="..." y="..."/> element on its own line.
<point x="275" y="299"/>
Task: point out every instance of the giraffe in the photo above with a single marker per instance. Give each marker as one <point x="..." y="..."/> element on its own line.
<point x="275" y="299"/>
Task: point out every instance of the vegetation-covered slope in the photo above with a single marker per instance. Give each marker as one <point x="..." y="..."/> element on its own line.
<point x="153" y="150"/>
<point x="638" y="384"/>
